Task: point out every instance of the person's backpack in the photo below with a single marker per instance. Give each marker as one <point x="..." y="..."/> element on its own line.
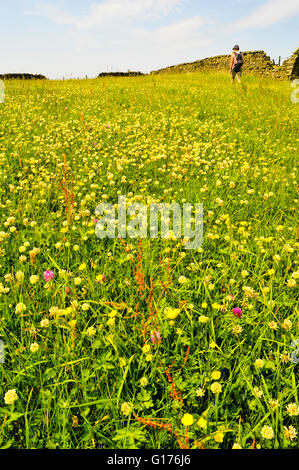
<point x="238" y="65"/>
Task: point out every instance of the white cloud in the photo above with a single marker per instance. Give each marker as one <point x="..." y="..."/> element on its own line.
<point x="169" y="44"/>
<point x="112" y="34"/>
<point x="268" y="14"/>
<point x="183" y="30"/>
<point x="108" y="11"/>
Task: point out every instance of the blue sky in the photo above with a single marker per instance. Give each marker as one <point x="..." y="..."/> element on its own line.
<point x="74" y="38"/>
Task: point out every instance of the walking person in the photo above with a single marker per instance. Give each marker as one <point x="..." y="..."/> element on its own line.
<point x="236" y="64"/>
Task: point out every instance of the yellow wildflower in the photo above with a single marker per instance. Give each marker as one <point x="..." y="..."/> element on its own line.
<point x="187" y="419"/>
<point x="10" y="397"/>
<point x="171" y="313"/>
<point x="216" y="374"/>
<point x="216" y="387"/>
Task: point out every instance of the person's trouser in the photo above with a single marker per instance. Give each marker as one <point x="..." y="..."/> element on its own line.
<point x="234" y="73"/>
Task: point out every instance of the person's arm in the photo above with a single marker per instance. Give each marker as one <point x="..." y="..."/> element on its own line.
<point x="232" y="62"/>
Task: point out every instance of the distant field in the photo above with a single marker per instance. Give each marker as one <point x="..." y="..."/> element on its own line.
<point x="141" y="343"/>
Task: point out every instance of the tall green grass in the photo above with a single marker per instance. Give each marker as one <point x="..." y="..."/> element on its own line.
<point x="67" y="146"/>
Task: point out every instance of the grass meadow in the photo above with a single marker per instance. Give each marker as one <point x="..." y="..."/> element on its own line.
<point x="140" y="343"/>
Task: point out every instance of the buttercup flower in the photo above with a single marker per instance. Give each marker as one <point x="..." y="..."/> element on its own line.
<point x="216" y="374"/>
<point x="219" y="436"/>
<point x="146" y="348"/>
<point x="112" y="314"/>
<point x="202" y="423"/>
<point x="111" y="321"/>
<point x="171" y="313"/>
<point x="203" y="319"/>
<point x="187" y="419"/>
<point x="100" y="278"/>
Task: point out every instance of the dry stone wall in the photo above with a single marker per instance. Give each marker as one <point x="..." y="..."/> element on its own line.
<point x="290" y="67"/>
<point x="22" y="76"/>
<point x="255" y="62"/>
<point x="120" y="74"/>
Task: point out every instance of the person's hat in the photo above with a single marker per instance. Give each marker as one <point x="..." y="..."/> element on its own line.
<point x="236" y="48"/>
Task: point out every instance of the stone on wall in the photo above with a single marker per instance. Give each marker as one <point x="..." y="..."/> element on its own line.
<point x="119" y="74"/>
<point x="290" y="67"/>
<point x="255" y="62"/>
<point x="21" y="76"/>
